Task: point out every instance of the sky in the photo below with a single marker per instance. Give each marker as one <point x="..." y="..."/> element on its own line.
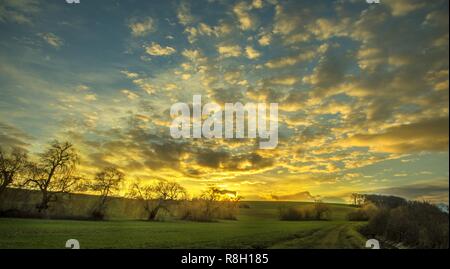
<point x="362" y="91"/>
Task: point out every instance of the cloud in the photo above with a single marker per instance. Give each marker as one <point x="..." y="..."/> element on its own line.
<point x="131" y="75"/>
<point x="228" y="95"/>
<point x="82" y="88"/>
<point x="18" y="11"/>
<point x="184" y="14"/>
<point x="427" y="135"/>
<point x="291" y="60"/>
<point x="191" y="54"/>
<point x="11" y="137"/>
<point x="324" y="29"/>
<point x="90" y="97"/>
<point x="257" y="4"/>
<point x="232" y="76"/>
<point x="285" y="22"/>
<point x="266" y="95"/>
<point x="252" y="53"/>
<point x="229" y="50"/>
<point x="129" y="94"/>
<point x="156" y="49"/>
<point x="223" y="160"/>
<point x="435" y="193"/>
<point x="52" y="39"/>
<point x="141" y="27"/>
<point x="204" y="29"/>
<point x="330" y="72"/>
<point x="403" y="7"/>
<point x="287" y="80"/>
<point x="242" y="12"/>
<point x="265" y="39"/>
<point x="142" y="82"/>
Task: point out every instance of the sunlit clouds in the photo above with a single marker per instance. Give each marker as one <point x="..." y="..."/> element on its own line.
<point x="362" y="91"/>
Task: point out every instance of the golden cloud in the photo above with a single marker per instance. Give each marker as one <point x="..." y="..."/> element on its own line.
<point x="427" y="135"/>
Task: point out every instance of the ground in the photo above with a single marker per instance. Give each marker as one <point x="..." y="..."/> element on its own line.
<point x="256" y="227"/>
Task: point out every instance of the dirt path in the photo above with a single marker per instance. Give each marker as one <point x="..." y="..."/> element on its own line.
<point x="342" y="235"/>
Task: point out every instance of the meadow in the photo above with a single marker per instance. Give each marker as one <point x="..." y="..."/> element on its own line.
<point x="257" y="226"/>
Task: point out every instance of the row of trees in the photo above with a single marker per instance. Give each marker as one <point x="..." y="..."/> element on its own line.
<point x="53" y="172"/>
<point x="415" y="224"/>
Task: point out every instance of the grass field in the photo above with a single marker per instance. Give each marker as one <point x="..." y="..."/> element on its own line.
<point x="256" y="227"/>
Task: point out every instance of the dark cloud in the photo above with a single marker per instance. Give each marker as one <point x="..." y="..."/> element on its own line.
<point x="331" y="70"/>
<point x="428" y="192"/>
<point x="266" y="95"/>
<point x="11" y="136"/>
<point x="212" y="159"/>
<point x="427" y="135"/>
<point x="227" y="95"/>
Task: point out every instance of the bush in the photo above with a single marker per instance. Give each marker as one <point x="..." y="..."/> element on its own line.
<point x="310" y="212"/>
<point x="97" y="215"/>
<point x="363" y="214"/>
<point x="205" y="210"/>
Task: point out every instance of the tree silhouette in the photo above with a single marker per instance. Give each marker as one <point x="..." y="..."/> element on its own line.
<point x="156" y="197"/>
<point x="12" y="165"/>
<point x="54" y="172"/>
<point x="106" y="182"/>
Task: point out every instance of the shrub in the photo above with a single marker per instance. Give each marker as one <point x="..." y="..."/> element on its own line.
<point x="310" y="212"/>
<point x="206" y="210"/>
<point x="97" y="214"/>
<point x="363" y="214"/>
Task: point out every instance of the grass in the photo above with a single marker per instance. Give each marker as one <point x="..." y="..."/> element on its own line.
<point x="256" y="227"/>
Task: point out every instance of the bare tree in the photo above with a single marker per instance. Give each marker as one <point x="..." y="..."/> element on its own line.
<point x="358" y="199"/>
<point x="354" y="198"/>
<point x="321" y="209"/>
<point x="211" y="196"/>
<point x="12" y="165"/>
<point x="106" y="182"/>
<point x="54" y="172"/>
<point x="156" y="197"/>
<point x="167" y="190"/>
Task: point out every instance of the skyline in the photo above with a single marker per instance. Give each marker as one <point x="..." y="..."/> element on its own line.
<point x="362" y="91"/>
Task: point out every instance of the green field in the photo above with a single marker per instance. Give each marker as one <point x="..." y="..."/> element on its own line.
<point x="256" y="227"/>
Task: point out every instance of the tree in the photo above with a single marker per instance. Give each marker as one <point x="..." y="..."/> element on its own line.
<point x="106" y="182"/>
<point x="358" y="199"/>
<point x="211" y="196"/>
<point x="321" y="209"/>
<point x="11" y="166"/>
<point x="54" y="172"/>
<point x="167" y="190"/>
<point x="156" y="197"/>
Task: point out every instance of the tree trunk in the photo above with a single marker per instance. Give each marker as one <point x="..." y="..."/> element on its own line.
<point x="6" y="181"/>
<point x="153" y="213"/>
<point x="2" y="189"/>
<point x="44" y="202"/>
